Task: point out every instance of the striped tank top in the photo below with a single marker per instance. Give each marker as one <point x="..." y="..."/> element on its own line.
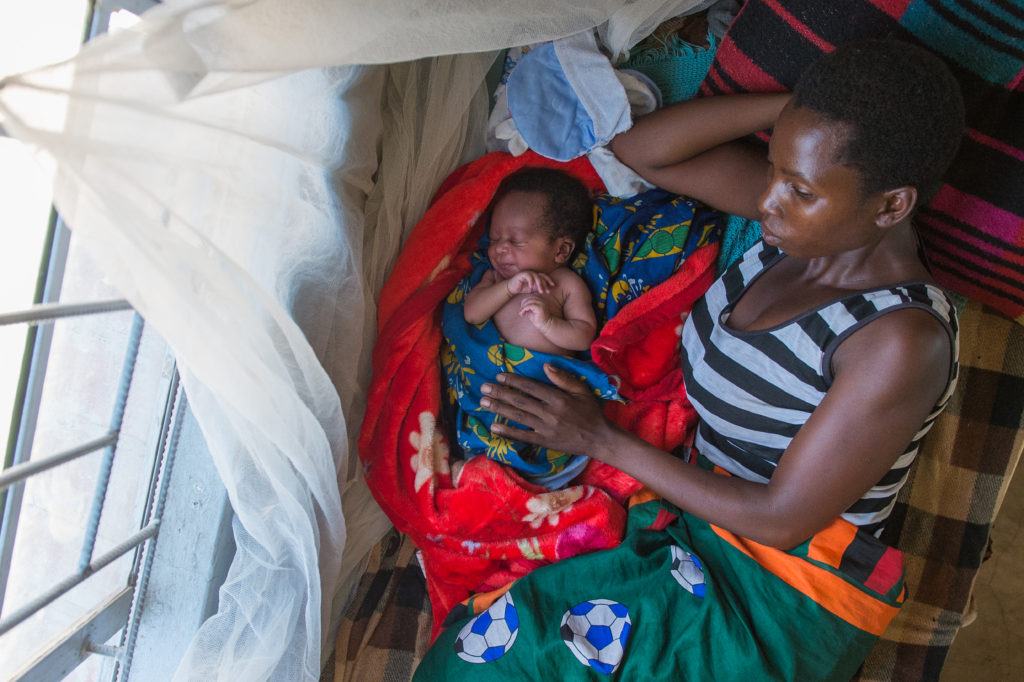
<point x="754" y="390"/>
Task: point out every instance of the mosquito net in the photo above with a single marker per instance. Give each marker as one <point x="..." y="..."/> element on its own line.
<point x="245" y="171"/>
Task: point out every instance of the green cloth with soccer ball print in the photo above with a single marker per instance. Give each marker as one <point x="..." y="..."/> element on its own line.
<point x="751" y="624"/>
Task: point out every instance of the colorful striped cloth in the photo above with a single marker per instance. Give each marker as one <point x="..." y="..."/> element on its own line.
<point x="974" y="227"/>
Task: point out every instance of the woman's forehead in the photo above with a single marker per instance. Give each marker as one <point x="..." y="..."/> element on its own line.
<point x="807" y="145"/>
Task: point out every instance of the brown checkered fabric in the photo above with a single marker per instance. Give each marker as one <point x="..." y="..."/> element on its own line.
<point x="943" y="515"/>
<point x="386" y="629"/>
<point x="941" y="522"/>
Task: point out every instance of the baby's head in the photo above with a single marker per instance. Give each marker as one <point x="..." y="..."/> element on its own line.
<point x="537" y="218"/>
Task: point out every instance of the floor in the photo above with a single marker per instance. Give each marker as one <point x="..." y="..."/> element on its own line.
<point x="993" y="645"/>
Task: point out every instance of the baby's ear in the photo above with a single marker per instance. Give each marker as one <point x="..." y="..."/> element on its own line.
<point x="563" y="249"/>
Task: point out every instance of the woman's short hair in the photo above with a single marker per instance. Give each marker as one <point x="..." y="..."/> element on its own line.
<point x="903" y="108"/>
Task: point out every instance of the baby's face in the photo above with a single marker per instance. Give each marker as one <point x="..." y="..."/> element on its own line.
<point x="519" y="240"/>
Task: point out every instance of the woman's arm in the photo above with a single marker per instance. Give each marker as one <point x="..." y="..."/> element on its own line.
<point x="689" y="148"/>
<point x="887" y="378"/>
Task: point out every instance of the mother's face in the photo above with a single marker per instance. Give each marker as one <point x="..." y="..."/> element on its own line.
<point x="813" y="205"/>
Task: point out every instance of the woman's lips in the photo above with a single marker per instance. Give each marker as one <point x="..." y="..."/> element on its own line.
<point x="769" y="237"/>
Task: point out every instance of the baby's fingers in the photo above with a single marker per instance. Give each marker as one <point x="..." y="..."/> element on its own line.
<point x="540" y="283"/>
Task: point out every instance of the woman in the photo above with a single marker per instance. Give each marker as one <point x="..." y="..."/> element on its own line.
<point x="816" y="364"/>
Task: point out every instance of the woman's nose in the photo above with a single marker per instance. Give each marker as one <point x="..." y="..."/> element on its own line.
<point x="767" y="203"/>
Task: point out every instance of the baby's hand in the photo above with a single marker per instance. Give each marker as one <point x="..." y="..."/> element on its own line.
<point x="535" y="309"/>
<point x="529" y="282"/>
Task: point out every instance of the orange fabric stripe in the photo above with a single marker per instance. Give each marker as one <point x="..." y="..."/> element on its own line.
<point x="645" y="494"/>
<point x="829" y="545"/>
<point x="479" y="603"/>
<point x="829" y="591"/>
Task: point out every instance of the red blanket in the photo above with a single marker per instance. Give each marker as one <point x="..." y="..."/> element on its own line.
<point x="478" y="524"/>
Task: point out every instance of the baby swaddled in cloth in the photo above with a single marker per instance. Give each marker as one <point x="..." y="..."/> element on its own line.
<point x="521" y="308"/>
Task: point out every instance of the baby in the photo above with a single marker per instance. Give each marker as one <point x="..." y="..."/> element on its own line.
<point x="537" y="219"/>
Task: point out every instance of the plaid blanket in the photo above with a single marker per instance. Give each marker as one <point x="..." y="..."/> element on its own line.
<point x="974" y="227"/>
<point x="944" y="514"/>
<point x="386" y="628"/>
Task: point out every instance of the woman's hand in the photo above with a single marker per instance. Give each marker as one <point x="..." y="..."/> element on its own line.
<point x="566" y="418"/>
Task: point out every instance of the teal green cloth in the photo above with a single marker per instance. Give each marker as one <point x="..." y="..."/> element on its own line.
<point x="677" y="68"/>
<point x="739" y="235"/>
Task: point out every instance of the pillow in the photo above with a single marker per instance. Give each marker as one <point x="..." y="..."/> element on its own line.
<point x="973" y="229"/>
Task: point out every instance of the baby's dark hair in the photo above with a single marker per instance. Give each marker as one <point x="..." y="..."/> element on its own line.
<point x="569" y="211"/>
<point x="903" y="108"/>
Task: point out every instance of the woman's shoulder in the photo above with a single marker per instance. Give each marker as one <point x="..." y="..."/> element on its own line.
<point x="913" y="319"/>
<point x="910" y="331"/>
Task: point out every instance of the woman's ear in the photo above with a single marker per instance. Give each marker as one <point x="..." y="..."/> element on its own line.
<point x="897" y="205"/>
<point x="563" y="249"/>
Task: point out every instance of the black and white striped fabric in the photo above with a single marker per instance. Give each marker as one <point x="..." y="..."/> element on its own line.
<point x="754" y="390"/>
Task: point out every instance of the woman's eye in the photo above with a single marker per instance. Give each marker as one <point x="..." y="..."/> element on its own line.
<point x="803" y="194"/>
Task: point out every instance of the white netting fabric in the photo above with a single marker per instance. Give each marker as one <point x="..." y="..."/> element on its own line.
<point x="247" y="192"/>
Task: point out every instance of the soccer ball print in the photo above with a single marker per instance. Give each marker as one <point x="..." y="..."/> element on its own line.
<point x="489" y="635"/>
<point x="596" y="632"/>
<point x="688" y="571"/>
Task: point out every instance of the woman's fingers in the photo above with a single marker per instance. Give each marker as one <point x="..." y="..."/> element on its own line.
<point x="523" y="435"/>
<point x="565" y="381"/>
<point x="512" y="403"/>
<point x="565" y="416"/>
<point x="512" y="412"/>
<point x="530" y="387"/>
